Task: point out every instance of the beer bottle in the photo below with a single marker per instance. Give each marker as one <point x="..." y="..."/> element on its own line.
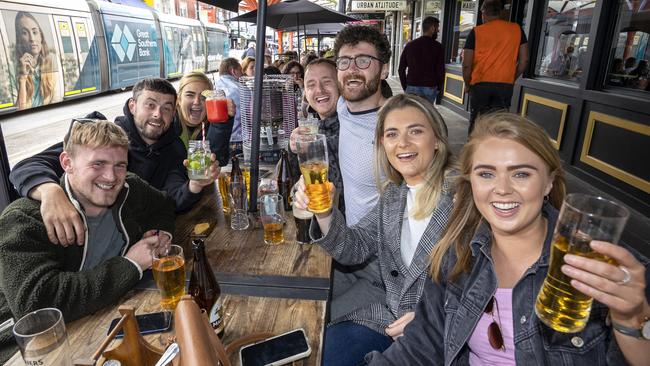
<point x="204" y="287"/>
<point x="236" y="174"/>
<point x="285" y="183"/>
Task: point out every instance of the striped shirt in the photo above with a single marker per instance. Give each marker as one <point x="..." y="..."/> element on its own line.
<point x="356" y="137"/>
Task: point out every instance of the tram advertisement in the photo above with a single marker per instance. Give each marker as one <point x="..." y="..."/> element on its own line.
<point x="133" y="50"/>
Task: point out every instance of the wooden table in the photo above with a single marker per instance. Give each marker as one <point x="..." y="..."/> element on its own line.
<point x="243" y="315"/>
<point x="244" y="264"/>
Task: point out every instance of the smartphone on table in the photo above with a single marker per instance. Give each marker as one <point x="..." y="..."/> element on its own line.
<point x="148" y="323"/>
<point x="279" y="350"/>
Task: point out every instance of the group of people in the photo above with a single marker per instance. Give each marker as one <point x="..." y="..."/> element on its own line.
<point x="422" y="244"/>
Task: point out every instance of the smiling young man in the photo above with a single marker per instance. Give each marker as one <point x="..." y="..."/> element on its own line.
<point x="362" y="55"/>
<point x="121" y="214"/>
<point x="156" y="155"/>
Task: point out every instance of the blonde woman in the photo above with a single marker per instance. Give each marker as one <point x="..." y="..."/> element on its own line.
<point x="493" y="258"/>
<point x="412" y="167"/>
<point x="248" y="66"/>
<point x="190" y="107"/>
<point x="35" y="65"/>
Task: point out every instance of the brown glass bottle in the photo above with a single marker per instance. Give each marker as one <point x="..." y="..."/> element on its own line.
<point x="236" y="174"/>
<point x="204" y="287"/>
<point x="285" y="183"/>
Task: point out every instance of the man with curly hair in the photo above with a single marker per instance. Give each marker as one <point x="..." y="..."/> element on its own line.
<point x="362" y="56"/>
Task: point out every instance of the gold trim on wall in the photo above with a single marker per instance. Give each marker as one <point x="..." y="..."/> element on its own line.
<point x="451" y="96"/>
<point x="549" y="103"/>
<point x="610" y="169"/>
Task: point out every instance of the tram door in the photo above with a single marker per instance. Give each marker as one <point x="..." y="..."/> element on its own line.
<point x="74" y="36"/>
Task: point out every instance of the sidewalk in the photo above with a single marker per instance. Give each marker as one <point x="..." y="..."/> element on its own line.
<point x="637" y="231"/>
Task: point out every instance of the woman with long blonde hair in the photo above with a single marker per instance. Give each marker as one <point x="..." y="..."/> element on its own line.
<point x="35" y="66"/>
<point x="413" y="167"/>
<point x="489" y="266"/>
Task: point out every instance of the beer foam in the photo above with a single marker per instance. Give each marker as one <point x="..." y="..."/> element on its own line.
<point x="302" y="214"/>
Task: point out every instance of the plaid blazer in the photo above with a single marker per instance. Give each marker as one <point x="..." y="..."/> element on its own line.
<point x="379" y="233"/>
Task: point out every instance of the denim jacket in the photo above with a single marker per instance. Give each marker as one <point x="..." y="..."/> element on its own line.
<point x="448" y="312"/>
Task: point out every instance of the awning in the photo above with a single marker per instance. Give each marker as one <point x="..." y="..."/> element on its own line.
<point x="231" y="5"/>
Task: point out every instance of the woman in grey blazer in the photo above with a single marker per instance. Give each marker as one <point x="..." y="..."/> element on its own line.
<point x="413" y="170"/>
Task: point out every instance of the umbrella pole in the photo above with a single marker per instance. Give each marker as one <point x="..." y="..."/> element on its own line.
<point x="257" y="104"/>
<point x="298" y="29"/>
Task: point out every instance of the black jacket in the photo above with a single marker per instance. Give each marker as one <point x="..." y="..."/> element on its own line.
<point x="160" y="164"/>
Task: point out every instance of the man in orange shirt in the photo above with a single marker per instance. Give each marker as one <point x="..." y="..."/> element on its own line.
<point x="495" y="54"/>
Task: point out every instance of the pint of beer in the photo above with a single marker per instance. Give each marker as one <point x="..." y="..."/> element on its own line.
<point x="272" y="217"/>
<point x="169" y="274"/>
<point x="312" y="155"/>
<point x="303" y="220"/>
<point x="583" y="218"/>
<point x="224" y="191"/>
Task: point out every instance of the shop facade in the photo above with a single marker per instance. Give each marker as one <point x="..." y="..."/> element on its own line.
<point x="587" y="82"/>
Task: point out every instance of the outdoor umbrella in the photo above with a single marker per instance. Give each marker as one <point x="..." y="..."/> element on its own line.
<point x="295" y="13"/>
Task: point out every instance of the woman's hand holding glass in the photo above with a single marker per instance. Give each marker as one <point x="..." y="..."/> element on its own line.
<point x="621" y="287"/>
<point x="301" y="201"/>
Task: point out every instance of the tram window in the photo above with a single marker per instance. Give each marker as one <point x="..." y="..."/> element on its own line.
<point x="563" y="50"/>
<point x="628" y="61"/>
<point x="83" y="44"/>
<point x="67" y="44"/>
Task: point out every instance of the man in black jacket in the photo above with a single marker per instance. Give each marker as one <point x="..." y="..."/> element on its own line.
<point x="125" y="220"/>
<point x="156" y="155"/>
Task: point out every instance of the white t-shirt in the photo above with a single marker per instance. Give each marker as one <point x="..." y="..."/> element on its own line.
<point x="412" y="229"/>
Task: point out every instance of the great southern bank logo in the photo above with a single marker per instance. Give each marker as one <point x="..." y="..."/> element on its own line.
<point x="123" y="42"/>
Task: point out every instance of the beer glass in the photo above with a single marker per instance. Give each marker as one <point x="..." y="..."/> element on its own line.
<point x="310" y="123"/>
<point x="583" y="218"/>
<point x="169" y="273"/>
<point x="303" y="220"/>
<point x="224" y="190"/>
<point x="312" y="155"/>
<point x="272" y="217"/>
<point x="238" y="206"/>
<point x="198" y="159"/>
<point x="42" y="338"/>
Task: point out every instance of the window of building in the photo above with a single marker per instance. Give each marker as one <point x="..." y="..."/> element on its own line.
<point x="628" y="61"/>
<point x="563" y="48"/>
<point x="465" y="21"/>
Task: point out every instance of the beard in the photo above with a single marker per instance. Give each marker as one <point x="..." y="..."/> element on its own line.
<point x="150" y="132"/>
<point x="370" y="87"/>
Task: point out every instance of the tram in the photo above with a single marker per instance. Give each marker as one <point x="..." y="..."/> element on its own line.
<point x="52" y="51"/>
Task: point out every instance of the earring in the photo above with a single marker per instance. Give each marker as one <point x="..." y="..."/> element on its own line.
<point x="546" y="198"/>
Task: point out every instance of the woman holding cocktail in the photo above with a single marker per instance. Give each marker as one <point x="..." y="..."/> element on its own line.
<point x="488" y="268"/>
<point x="413" y="162"/>
<point x="192" y="114"/>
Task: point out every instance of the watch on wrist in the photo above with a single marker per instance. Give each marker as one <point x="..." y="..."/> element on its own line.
<point x="642" y="332"/>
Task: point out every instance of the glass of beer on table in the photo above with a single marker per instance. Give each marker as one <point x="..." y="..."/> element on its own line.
<point x="169" y="274"/>
<point x="223" y="183"/>
<point x="272" y="217"/>
<point x="303" y="220"/>
<point x="312" y="155"/>
<point x="583" y="218"/>
<point x="42" y="338"/>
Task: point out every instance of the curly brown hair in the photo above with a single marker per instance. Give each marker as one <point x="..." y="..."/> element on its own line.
<point x="353" y="34"/>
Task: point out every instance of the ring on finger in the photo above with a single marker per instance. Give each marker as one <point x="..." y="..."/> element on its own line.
<point x="627" y="277"/>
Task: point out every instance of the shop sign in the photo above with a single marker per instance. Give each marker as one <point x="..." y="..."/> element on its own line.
<point x="379" y="5"/>
<point x="468" y="5"/>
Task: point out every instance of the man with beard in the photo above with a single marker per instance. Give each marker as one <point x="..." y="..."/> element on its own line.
<point x="156" y="155"/>
<point x="125" y="220"/>
<point x="362" y="55"/>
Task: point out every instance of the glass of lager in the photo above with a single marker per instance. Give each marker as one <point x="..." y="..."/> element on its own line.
<point x="169" y="273"/>
<point x="223" y="183"/>
<point x="272" y="217"/>
<point x="583" y="218"/>
<point x="42" y="338"/>
<point x="303" y="220"/>
<point x="312" y="155"/>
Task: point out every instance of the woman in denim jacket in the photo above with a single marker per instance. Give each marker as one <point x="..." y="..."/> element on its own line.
<point x="492" y="261"/>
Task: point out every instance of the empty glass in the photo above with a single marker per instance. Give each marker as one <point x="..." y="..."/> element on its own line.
<point x="42" y="338"/>
<point x="238" y="206"/>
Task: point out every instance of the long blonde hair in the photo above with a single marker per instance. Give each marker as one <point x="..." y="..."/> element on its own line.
<point x="194" y="76"/>
<point x="427" y="197"/>
<point x="46" y="87"/>
<point x="465" y="217"/>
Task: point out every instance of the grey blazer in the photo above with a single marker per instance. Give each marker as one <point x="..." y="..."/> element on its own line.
<point x="379" y="232"/>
